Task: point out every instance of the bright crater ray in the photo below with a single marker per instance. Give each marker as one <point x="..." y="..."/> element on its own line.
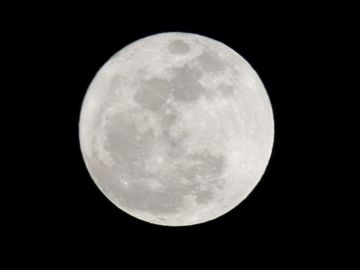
<point x="176" y="129"/>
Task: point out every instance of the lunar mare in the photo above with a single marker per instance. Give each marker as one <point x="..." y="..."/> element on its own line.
<point x="176" y="129"/>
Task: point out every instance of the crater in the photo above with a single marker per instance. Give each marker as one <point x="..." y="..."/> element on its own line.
<point x="210" y="62"/>
<point x="178" y="47"/>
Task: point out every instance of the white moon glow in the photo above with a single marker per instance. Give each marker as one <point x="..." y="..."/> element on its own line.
<point x="176" y="129"/>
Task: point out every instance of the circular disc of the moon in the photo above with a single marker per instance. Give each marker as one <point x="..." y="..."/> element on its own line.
<point x="176" y="129"/>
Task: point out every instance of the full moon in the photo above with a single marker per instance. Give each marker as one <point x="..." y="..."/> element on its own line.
<point x="176" y="129"/>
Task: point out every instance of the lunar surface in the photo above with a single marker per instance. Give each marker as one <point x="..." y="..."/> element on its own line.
<point x="176" y="129"/>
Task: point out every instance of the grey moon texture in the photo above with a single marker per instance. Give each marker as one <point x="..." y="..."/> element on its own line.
<point x="176" y="129"/>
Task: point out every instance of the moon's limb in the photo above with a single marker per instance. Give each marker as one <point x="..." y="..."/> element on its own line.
<point x="176" y="129"/>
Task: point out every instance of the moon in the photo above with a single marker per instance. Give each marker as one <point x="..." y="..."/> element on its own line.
<point x="176" y="129"/>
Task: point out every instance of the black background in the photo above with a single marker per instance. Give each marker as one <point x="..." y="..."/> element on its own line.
<point x="59" y="207"/>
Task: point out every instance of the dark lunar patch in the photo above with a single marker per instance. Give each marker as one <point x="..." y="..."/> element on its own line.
<point x="168" y="119"/>
<point x="226" y="90"/>
<point x="210" y="62"/>
<point x="204" y="166"/>
<point x="101" y="172"/>
<point x="114" y="84"/>
<point x="139" y="197"/>
<point x="110" y="183"/>
<point x="130" y="150"/>
<point x="186" y="87"/>
<point x="127" y="146"/>
<point x="176" y="149"/>
<point x="178" y="47"/>
<point x="204" y="196"/>
<point x="175" y="143"/>
<point x="153" y="94"/>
